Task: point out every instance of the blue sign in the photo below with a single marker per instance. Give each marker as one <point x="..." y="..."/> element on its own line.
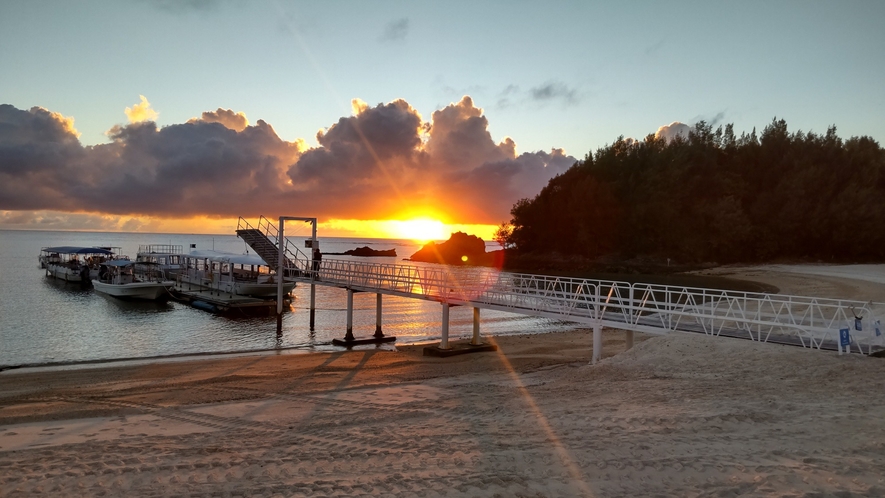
<point x="844" y="337"/>
<point x="858" y="323"/>
<point x="878" y="328"/>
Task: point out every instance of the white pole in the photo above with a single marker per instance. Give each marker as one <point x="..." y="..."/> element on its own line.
<point x="629" y="339"/>
<point x="378" y="333"/>
<point x="280" y="268"/>
<point x="444" y="341"/>
<point x="348" y="336"/>
<point x="313" y="287"/>
<point x="597" y="344"/>
<point x="475" y="341"/>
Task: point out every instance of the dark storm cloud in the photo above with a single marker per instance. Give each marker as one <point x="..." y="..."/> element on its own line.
<point x="395" y="30"/>
<point x="371" y="165"/>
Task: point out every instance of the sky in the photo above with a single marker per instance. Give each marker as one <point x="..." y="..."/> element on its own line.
<point x="180" y="116"/>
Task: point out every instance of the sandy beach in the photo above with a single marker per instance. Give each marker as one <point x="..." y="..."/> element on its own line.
<point x="677" y="415"/>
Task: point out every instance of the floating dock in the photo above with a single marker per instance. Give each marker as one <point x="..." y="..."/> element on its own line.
<point x="222" y="302"/>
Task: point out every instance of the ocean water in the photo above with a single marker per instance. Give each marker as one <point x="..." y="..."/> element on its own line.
<point x="46" y="321"/>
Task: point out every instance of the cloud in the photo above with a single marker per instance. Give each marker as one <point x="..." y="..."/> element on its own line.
<point x="182" y="6"/>
<point x="36" y="124"/>
<point x="715" y="120"/>
<point x="676" y="128"/>
<point x="548" y="93"/>
<point x="141" y="111"/>
<point x="672" y="130"/>
<point x="654" y="48"/>
<point x="382" y="162"/>
<point x="233" y="120"/>
<point x="459" y="137"/>
<point x="552" y="91"/>
<point x="395" y="30"/>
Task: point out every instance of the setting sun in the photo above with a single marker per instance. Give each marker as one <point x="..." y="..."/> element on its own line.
<point x="420" y="229"/>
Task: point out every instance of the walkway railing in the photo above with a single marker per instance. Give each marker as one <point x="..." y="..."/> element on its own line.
<point x="806" y="321"/>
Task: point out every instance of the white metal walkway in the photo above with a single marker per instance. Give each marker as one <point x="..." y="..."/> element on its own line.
<point x="851" y="326"/>
<point x="806" y="321"/>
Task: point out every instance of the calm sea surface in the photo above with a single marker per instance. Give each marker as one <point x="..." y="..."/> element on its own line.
<point x="46" y="321"/>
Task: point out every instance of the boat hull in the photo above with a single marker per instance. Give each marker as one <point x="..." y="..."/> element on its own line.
<point x="250" y="289"/>
<point x="68" y="274"/>
<point x="151" y="291"/>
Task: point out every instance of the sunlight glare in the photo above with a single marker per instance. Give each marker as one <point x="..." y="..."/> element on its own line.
<point x="420" y="229"/>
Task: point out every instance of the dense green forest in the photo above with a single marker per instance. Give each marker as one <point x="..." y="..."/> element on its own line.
<point x="714" y="197"/>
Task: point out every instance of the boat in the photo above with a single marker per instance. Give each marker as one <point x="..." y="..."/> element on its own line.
<point x="74" y="263"/>
<point x="132" y="280"/>
<point x="167" y="257"/>
<point x="229" y="273"/>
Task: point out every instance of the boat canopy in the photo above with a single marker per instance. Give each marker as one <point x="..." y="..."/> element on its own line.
<point x="226" y="257"/>
<point x="119" y="262"/>
<point x="77" y="250"/>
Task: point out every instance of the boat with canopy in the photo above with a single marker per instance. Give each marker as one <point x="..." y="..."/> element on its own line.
<point x="132" y="280"/>
<point x="75" y="263"/>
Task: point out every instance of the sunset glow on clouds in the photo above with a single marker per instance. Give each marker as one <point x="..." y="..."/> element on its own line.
<point x="383" y="163"/>
<point x="141" y="111"/>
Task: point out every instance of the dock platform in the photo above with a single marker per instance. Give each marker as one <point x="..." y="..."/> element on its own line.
<point x="221" y="302"/>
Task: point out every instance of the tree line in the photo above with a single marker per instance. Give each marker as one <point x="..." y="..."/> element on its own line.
<point x="713" y="197"/>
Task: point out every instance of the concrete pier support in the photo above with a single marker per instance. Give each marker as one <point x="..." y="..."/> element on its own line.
<point x="475" y="341"/>
<point x="378" y="333"/>
<point x="348" y="336"/>
<point x="444" y="340"/>
<point x="445" y="349"/>
<point x="629" y="339"/>
<point x="349" y="339"/>
<point x="313" y="307"/>
<point x="597" y="344"/>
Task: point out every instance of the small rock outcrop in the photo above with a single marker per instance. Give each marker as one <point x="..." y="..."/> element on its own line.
<point x="366" y="252"/>
<point x="460" y="249"/>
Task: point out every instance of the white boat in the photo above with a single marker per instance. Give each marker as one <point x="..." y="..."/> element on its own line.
<point x="132" y="280"/>
<point x="167" y="257"/>
<point x="228" y="273"/>
<point x="74" y="263"/>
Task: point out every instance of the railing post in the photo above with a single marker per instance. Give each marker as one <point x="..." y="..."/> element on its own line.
<point x="444" y="339"/>
<point x="597" y="343"/>
<point x="378" y="334"/>
<point x="280" y="272"/>
<point x="475" y="341"/>
<point x="313" y="278"/>
<point x="348" y="336"/>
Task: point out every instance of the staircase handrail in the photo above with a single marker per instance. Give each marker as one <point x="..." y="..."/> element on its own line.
<point x="292" y="266"/>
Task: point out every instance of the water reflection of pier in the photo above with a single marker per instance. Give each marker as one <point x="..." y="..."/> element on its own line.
<point x="818" y="323"/>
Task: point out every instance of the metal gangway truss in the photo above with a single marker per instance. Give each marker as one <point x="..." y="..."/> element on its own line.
<point x="819" y="323"/>
<point x="657" y="309"/>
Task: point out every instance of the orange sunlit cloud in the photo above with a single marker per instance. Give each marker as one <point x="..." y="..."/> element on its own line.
<point x="141" y="111"/>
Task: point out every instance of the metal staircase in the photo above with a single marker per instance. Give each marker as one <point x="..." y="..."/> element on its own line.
<point x="264" y="240"/>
